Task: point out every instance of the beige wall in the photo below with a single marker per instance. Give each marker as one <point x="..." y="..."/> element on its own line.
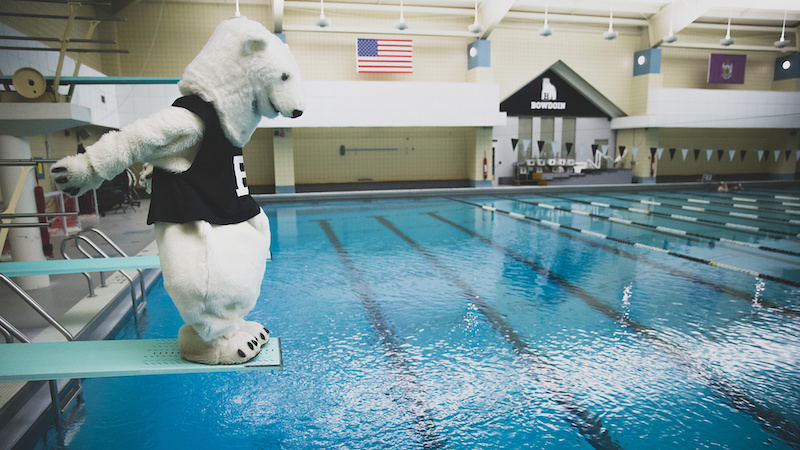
<point x="422" y="154"/>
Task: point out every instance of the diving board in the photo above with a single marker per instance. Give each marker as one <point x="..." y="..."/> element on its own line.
<point x="63" y="266"/>
<point x="40" y="361"/>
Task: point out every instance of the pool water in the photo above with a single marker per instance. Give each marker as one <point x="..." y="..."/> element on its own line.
<point x="436" y="323"/>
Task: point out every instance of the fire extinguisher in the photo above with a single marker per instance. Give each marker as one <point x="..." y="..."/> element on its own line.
<point x="47" y="246"/>
<point x="485" y="167"/>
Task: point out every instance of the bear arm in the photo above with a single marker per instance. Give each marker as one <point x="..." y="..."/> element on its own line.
<point x="172" y="134"/>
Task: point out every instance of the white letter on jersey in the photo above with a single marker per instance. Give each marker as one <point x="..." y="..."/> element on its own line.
<point x="238" y="170"/>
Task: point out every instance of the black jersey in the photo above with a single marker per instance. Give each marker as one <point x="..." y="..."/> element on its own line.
<point x="214" y="188"/>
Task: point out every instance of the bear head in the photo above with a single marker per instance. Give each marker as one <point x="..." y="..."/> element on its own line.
<point x="246" y="72"/>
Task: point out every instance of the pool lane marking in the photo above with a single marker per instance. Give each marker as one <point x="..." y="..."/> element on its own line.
<point x="711" y="211"/>
<point x="755" y="200"/>
<point x="746" y="228"/>
<point x="424" y="423"/>
<point x="769" y="419"/>
<point x="645" y="246"/>
<point x="590" y="425"/>
<point x="659" y="228"/>
<point x="724" y="204"/>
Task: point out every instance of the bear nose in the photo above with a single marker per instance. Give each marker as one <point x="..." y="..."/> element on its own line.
<point x="296" y="113"/>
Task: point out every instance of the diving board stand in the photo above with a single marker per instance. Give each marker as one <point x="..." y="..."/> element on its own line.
<point x="64" y="266"/>
<point x="40" y="361"/>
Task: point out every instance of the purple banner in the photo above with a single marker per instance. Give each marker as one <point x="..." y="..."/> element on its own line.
<point x="727" y="69"/>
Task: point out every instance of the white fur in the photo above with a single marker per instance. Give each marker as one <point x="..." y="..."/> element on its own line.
<point x="212" y="272"/>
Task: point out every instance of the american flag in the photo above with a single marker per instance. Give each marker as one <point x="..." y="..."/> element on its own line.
<point x="384" y="56"/>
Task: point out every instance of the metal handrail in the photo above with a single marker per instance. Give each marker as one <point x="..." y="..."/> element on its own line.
<point x="10" y="330"/>
<point x="36" y="307"/>
<point x="85" y="274"/>
<point x="119" y="250"/>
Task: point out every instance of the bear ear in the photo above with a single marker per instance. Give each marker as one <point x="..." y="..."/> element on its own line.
<point x="251" y="46"/>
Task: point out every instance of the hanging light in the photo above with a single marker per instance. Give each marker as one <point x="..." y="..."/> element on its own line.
<point x="475" y="27"/>
<point x="610" y="34"/>
<point x="323" y="21"/>
<point x="783" y="42"/>
<point x="545" y="30"/>
<point x="671" y="37"/>
<point x="401" y="24"/>
<point x="728" y="41"/>
<point x="238" y="14"/>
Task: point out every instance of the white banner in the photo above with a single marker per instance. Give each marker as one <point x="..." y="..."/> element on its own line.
<point x="708" y="154"/>
<point x="731" y="153"/>
<point x="760" y="155"/>
<point x="684" y="152"/>
<point x="659" y="151"/>
<point x="635" y="150"/>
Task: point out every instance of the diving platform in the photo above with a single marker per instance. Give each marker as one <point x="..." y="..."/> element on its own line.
<point x="40" y="361"/>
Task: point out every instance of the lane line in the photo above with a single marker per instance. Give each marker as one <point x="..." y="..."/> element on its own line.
<point x="424" y="425"/>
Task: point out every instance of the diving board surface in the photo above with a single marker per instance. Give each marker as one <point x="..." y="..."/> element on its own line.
<point x="62" y="266"/>
<point x="96" y="359"/>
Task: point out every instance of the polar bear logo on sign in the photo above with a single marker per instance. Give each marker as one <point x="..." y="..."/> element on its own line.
<point x="548" y="90"/>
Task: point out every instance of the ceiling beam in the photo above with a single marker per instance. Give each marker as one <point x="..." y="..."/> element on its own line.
<point x="490" y="13"/>
<point x="678" y="15"/>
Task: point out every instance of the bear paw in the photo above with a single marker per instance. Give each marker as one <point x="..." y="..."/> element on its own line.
<point x="237" y="349"/>
<point x="257" y="330"/>
<point x="75" y="175"/>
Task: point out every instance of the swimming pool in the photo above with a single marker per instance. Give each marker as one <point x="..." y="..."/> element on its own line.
<point x="528" y="321"/>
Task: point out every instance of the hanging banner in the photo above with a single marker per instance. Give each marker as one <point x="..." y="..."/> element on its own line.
<point x="660" y="151"/>
<point x="671" y="153"/>
<point x="569" y="147"/>
<point x="549" y="95"/>
<point x="540" y="144"/>
<point x="526" y="145"/>
<point x="708" y="154"/>
<point x="719" y="154"/>
<point x="788" y="152"/>
<point x="742" y="155"/>
<point x="685" y="151"/>
<point x="605" y="149"/>
<point x="731" y="153"/>
<point x="635" y="150"/>
<point x="696" y="153"/>
<point x="761" y="155"/>
<point x="594" y="149"/>
<point x="514" y="144"/>
<point x="621" y="150"/>
<point x="727" y="69"/>
<point x="777" y="154"/>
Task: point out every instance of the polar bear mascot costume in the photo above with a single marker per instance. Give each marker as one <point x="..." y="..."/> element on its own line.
<point x="213" y="239"/>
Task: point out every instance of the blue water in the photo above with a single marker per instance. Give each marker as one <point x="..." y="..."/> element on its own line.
<point x="433" y="323"/>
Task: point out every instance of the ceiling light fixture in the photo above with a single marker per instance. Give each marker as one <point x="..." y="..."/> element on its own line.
<point x="475" y="27"/>
<point x="323" y="21"/>
<point x="783" y="42"/>
<point x="401" y="24"/>
<point x="610" y="34"/>
<point x="728" y="41"/>
<point x="545" y="30"/>
<point x="669" y="39"/>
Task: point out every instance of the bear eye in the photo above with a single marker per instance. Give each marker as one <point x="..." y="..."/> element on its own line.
<point x="285" y="76"/>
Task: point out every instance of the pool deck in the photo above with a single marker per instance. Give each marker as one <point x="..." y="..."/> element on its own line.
<point x="23" y="405"/>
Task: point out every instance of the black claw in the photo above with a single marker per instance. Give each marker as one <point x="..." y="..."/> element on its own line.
<point x="73" y="192"/>
<point x="58" y="169"/>
<point x="255" y="342"/>
<point x="63" y="179"/>
<point x="266" y="330"/>
<point x="241" y="353"/>
<point x="249" y="344"/>
<point x="263" y="338"/>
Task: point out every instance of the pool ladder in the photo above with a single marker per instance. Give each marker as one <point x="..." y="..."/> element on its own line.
<point x="81" y="237"/>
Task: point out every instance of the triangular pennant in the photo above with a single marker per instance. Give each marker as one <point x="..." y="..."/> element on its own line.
<point x="635" y="150"/>
<point x="652" y="152"/>
<point x="514" y="143"/>
<point x="684" y="152"/>
<point x="741" y="155"/>
<point x="696" y="153"/>
<point x="594" y="149"/>
<point x="526" y="144"/>
<point x="605" y="149"/>
<point x="569" y="147"/>
<point x="709" y="152"/>
<point x="788" y="152"/>
<point x="621" y="150"/>
<point x="541" y="145"/>
<point x="731" y="153"/>
<point x="671" y="153"/>
<point x="719" y="154"/>
<point x="777" y="153"/>
<point x="761" y="155"/>
<point x="660" y="152"/>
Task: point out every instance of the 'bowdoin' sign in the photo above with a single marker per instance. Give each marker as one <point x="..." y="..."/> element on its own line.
<point x="549" y="93"/>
